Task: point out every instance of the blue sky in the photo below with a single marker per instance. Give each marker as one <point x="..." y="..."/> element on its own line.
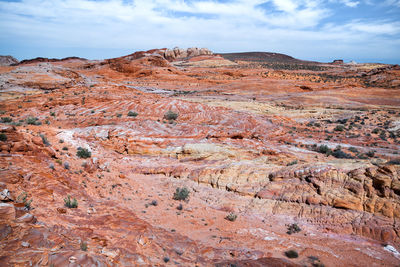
<point x="323" y="30"/>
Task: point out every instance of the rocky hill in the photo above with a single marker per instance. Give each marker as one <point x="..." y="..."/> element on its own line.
<point x="261" y="57"/>
<point x="182" y="157"/>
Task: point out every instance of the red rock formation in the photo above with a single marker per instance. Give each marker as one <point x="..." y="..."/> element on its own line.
<point x="246" y="139"/>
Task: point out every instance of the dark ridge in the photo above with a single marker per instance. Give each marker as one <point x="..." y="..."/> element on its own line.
<point x="266" y="57"/>
<point x="43" y="59"/>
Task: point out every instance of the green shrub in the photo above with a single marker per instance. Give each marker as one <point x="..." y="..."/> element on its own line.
<point x="3" y="137"/>
<point x="181" y="193"/>
<point x="132" y="114"/>
<point x="83" y="153"/>
<point x="65" y="148"/>
<point x="324" y="149"/>
<point x="293" y="228"/>
<point x="33" y="121"/>
<point x="231" y="217"/>
<point x="6" y="120"/>
<point x="72" y="204"/>
<point x="338" y="153"/>
<point x="292" y="254"/>
<point x="170" y="115"/>
<point x="339" y="128"/>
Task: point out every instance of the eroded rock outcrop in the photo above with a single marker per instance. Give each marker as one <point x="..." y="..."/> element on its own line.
<point x="256" y="153"/>
<point x="8" y="60"/>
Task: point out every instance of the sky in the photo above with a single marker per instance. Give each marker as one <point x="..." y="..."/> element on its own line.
<point x="321" y="30"/>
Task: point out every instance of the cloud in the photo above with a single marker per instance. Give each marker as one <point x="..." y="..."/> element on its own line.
<point x="299" y="28"/>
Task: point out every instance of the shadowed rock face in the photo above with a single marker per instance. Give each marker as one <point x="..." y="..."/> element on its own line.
<point x="243" y="136"/>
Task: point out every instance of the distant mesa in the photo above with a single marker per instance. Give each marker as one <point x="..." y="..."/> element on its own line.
<point x="8" y="61"/>
<point x="338" y="62"/>
<point x="265" y="57"/>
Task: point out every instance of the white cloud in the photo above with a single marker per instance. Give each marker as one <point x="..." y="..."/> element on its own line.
<point x="297" y="28"/>
<point x="392" y="3"/>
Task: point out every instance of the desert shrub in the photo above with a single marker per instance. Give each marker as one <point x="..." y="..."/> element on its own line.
<point x="132" y="114"/>
<point x="44" y="140"/>
<point x="353" y="149"/>
<point x="3" y="137"/>
<point x="52" y="113"/>
<point x="338" y="153"/>
<point x="33" y="121"/>
<point x="370" y="154"/>
<point x="293" y="228"/>
<point x="166" y="259"/>
<point x="181" y="193"/>
<point x="294" y="162"/>
<point x="23" y="198"/>
<point x="170" y="115"/>
<point x="72" y="204"/>
<point x="375" y="131"/>
<point x="382" y="135"/>
<point x="231" y="217"/>
<point x="394" y="161"/>
<point x="154" y="203"/>
<point x="315" y="261"/>
<point x="65" y="148"/>
<point x="342" y="121"/>
<point x="66" y="165"/>
<point x="84" y="246"/>
<point x="6" y="119"/>
<point x="362" y="156"/>
<point x="83" y="153"/>
<point x="324" y="149"/>
<point x="339" y="128"/>
<point x="291" y="254"/>
<point x="180" y="207"/>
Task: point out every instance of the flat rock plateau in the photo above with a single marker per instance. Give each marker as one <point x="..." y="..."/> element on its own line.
<point x="183" y="157"/>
